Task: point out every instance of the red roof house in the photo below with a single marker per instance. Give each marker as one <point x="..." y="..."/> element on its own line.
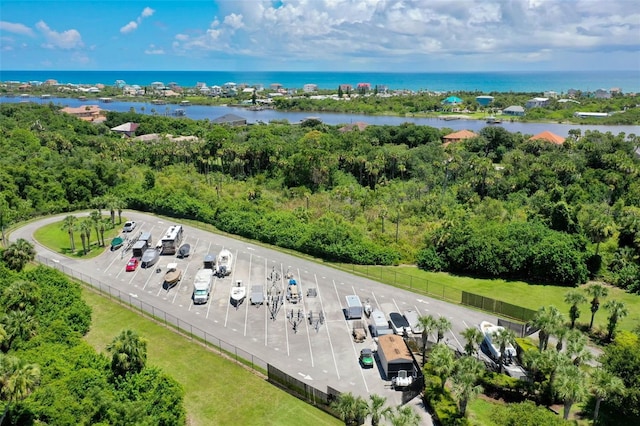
<point x="549" y="137"/>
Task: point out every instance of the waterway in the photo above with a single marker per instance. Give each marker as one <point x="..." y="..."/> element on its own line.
<point x="205" y="112"/>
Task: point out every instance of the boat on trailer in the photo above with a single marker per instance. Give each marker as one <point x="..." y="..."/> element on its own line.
<point x="173" y="275"/>
<point x="223" y="264"/>
<point x="238" y="293"/>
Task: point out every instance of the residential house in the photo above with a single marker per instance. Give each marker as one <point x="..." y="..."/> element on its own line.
<point x="363" y="87"/>
<point x="602" y="94"/>
<point x="127" y="129"/>
<point x="549" y="137"/>
<point x="451" y="100"/>
<point x="346" y="88"/>
<point x="358" y="125"/>
<point x="536" y="103"/>
<point x="458" y="136"/>
<point x="550" y="94"/>
<point x="514" y="110"/>
<point x="310" y="88"/>
<point x="231" y="120"/>
<point x="85" y="113"/>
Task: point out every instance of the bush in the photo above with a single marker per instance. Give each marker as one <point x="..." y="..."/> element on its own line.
<point x="525" y="414"/>
<point x="442" y="404"/>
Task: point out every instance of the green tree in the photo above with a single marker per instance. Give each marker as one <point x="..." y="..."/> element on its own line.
<point x="428" y="324"/>
<point x="467" y="372"/>
<point x="603" y="385"/>
<point x="442" y="326"/>
<point x="19" y="325"/>
<point x="17" y="380"/>
<point x="128" y="353"/>
<point x="571" y="386"/>
<point x="85" y="234"/>
<point x="473" y="338"/>
<point x="350" y="409"/>
<point x="547" y="319"/>
<point x="18" y="254"/>
<point x="441" y="362"/>
<point x="95" y="217"/>
<point x="503" y="338"/>
<point x="597" y="224"/>
<point x="574" y="298"/>
<point x="597" y="292"/>
<point x="377" y="409"/>
<point x="617" y="311"/>
<point x="69" y="224"/>
<point x="21" y="295"/>
<point x="405" y="416"/>
<point x="577" y="348"/>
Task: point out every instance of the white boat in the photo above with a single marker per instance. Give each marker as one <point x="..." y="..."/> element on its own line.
<point x="223" y="263"/>
<point x="489" y="329"/>
<point x="238" y="293"/>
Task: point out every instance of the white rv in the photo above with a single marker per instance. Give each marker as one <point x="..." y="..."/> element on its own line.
<point x="171" y="239"/>
<point x="202" y="286"/>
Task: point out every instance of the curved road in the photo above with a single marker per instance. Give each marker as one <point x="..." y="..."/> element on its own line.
<point x="320" y="354"/>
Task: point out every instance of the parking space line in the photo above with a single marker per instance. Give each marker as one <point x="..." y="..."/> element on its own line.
<point x="147" y="281"/>
<point x="266" y="290"/>
<point x="248" y="287"/>
<point x="333" y="354"/>
<point x="213" y="288"/>
<point x="304" y="318"/>
<point x="184" y="274"/>
<point x="376" y="300"/>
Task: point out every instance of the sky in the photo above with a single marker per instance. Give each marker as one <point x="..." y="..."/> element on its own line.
<point x="321" y="35"/>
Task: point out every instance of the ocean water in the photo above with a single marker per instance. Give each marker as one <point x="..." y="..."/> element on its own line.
<point x="486" y="82"/>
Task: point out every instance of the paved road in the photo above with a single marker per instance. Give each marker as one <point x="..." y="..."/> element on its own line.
<point x="320" y="355"/>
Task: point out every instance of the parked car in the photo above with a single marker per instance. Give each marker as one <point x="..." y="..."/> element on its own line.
<point x="132" y="264"/>
<point x="366" y="358"/>
<point x="399" y="323"/>
<point x="129" y="226"/>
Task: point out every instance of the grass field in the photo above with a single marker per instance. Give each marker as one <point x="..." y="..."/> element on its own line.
<point x="449" y="287"/>
<point x="217" y="391"/>
<point x="56" y="238"/>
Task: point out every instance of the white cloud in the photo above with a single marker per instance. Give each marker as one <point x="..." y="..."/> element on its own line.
<point x="69" y="39"/>
<point x="16" y="28"/>
<point x="415" y="31"/>
<point x="153" y="50"/>
<point x="133" y="25"/>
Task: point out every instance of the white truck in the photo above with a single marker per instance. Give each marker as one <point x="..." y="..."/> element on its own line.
<point x="202" y="286"/>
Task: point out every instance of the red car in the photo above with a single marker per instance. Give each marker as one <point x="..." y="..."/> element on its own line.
<point x="132" y="264"/>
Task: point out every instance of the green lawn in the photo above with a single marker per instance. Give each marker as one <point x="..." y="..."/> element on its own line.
<point x="217" y="391"/>
<point x="449" y="287"/>
<point x="55" y="237"/>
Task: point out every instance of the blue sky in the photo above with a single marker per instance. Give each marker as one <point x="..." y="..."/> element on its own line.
<point x="321" y="35"/>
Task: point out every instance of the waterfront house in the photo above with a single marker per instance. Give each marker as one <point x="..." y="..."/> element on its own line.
<point x="363" y="87"/>
<point x="358" y="125"/>
<point x="310" y="88"/>
<point x="85" y="113"/>
<point x="536" y="103"/>
<point x="602" y="94"/>
<point x="346" y="88"/>
<point x="484" y="100"/>
<point x="458" y="136"/>
<point x="514" y="110"/>
<point x="451" y="100"/>
<point x="127" y="129"/>
<point x="548" y="137"/>
<point x="581" y="114"/>
<point x="231" y="120"/>
<point x="550" y="94"/>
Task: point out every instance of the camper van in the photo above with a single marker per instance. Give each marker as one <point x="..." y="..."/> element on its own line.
<point x="171" y="239"/>
<point x="202" y="286"/>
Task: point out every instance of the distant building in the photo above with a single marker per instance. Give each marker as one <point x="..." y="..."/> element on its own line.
<point x="550" y="94"/>
<point x="451" y="100"/>
<point x="231" y="120"/>
<point x="580" y="114"/>
<point x="310" y="88"/>
<point x="364" y="87"/>
<point x="458" y="136"/>
<point x="359" y="125"/>
<point x="602" y="94"/>
<point x="549" y="137"/>
<point x="484" y="100"/>
<point x="86" y="112"/>
<point x="127" y="129"/>
<point x="514" y="110"/>
<point x="346" y="88"/>
<point x="536" y="103"/>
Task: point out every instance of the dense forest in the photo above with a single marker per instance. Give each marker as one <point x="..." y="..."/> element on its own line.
<point x="496" y="205"/>
<point x="50" y="375"/>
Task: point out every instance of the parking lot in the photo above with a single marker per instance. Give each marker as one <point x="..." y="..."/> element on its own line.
<point x="320" y="353"/>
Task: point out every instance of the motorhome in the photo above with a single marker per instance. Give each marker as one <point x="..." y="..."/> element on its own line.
<point x="202" y="286"/>
<point x="171" y="239"/>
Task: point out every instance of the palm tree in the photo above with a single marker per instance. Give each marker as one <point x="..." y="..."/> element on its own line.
<point x="547" y="320"/>
<point x="21" y="296"/>
<point x="405" y="416"/>
<point x="128" y="353"/>
<point x="577" y="348"/>
<point x="85" y="234"/>
<point x="350" y="409"/>
<point x="18" y="254"/>
<point x="95" y="218"/>
<point x="603" y="385"/>
<point x="574" y="298"/>
<point x="617" y="311"/>
<point x="571" y="387"/>
<point x="428" y="323"/>
<point x="442" y="362"/>
<point x="377" y="410"/>
<point x="468" y="370"/>
<point x="18" y="324"/>
<point x="474" y="338"/>
<point x="442" y="326"/>
<point x="69" y="224"/>
<point x="560" y="333"/>
<point x="17" y="380"/>
<point x="503" y="338"/>
<point x="596" y="291"/>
